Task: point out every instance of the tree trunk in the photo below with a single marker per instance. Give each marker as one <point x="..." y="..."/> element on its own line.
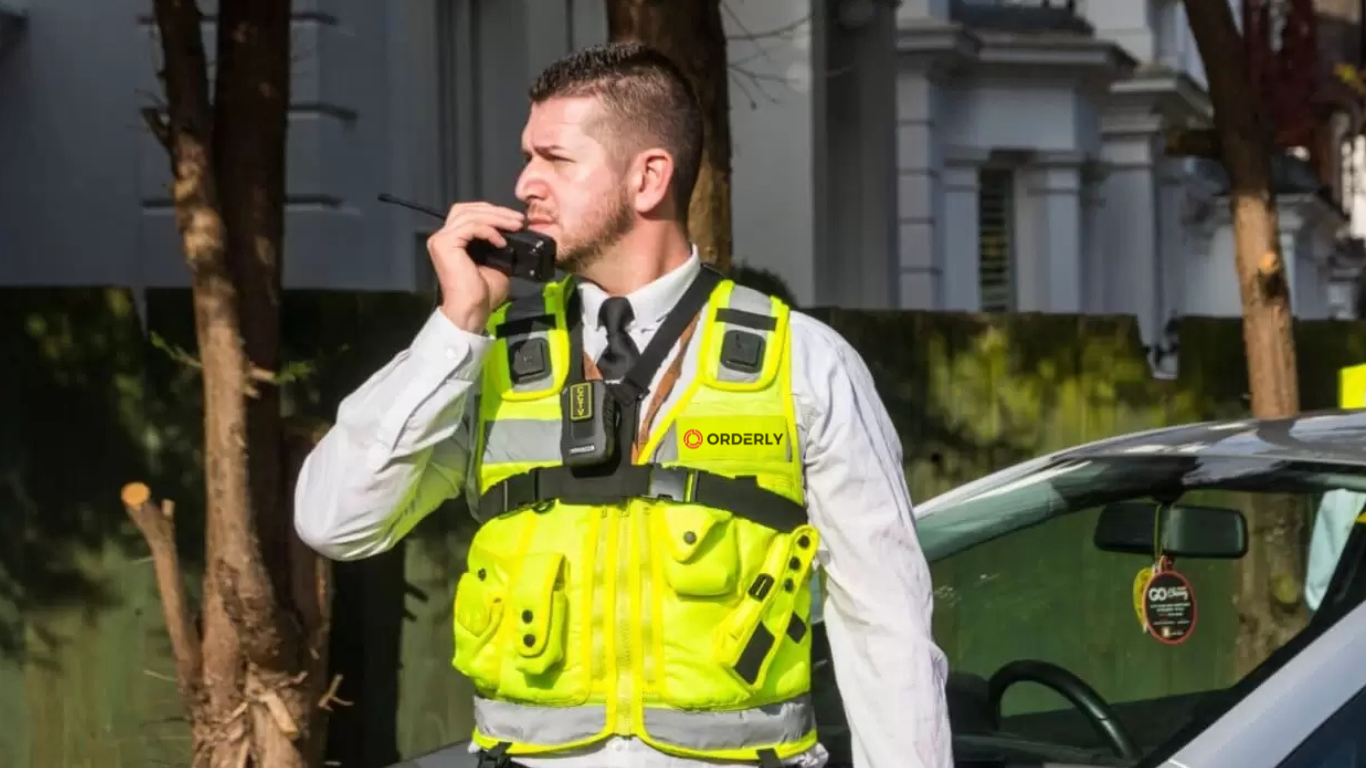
<point x="691" y="34"/>
<point x="1269" y="607"/>
<point x="253" y="671"/>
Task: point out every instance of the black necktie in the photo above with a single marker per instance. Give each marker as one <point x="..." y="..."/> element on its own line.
<point x="621" y="352"/>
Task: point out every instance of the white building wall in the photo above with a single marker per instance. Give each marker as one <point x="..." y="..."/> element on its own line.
<point x="772" y="135"/>
<point x="422" y="99"/>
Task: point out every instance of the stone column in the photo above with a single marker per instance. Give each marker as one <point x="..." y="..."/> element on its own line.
<point x="920" y="234"/>
<point x="1173" y="244"/>
<point x="1092" y="257"/>
<point x="960" y="288"/>
<point x="1049" y="265"/>
<point x="1129" y="243"/>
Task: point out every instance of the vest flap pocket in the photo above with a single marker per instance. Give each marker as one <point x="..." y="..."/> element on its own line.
<point x="478" y="613"/>
<point x="703" y="556"/>
<point x="743" y="645"/>
<point x="539" y="604"/>
<point x="476" y="607"/>
<point x="747" y="642"/>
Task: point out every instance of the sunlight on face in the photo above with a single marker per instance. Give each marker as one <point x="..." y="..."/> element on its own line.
<point x="572" y="189"/>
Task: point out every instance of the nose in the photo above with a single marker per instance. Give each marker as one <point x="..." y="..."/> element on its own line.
<point x="530" y="185"/>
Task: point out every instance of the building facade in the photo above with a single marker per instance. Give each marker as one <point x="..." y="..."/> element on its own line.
<point x="963" y="155"/>
<point x="1034" y="175"/>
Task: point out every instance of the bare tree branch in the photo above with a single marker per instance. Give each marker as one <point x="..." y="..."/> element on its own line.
<point x="158" y="528"/>
<point x="782" y="31"/>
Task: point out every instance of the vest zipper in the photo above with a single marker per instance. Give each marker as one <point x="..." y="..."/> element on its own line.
<point x="603" y="550"/>
<point x="623" y="619"/>
<point x="647" y="601"/>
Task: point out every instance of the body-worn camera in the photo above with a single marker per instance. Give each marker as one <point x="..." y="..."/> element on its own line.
<point x="528" y="255"/>
<point x="591" y="417"/>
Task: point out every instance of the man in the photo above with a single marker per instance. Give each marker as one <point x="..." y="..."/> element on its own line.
<point x="615" y="613"/>
<point x="1337" y="513"/>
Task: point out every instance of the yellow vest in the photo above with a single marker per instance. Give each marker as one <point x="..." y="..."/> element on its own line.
<point x="669" y="602"/>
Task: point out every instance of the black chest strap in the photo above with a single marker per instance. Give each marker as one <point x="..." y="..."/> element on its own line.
<point x="741" y="496"/>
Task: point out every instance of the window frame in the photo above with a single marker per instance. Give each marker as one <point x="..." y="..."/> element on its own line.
<point x="1006" y="182"/>
<point x="1269" y="714"/>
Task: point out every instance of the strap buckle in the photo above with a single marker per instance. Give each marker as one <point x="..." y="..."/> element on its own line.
<point x="494" y="758"/>
<point x="670" y="483"/>
<point x="519" y="491"/>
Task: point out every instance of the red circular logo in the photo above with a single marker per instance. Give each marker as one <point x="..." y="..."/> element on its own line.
<point x="692" y="438"/>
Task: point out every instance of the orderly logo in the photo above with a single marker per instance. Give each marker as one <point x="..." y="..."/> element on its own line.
<point x="734" y="438"/>
<point x="694" y="439"/>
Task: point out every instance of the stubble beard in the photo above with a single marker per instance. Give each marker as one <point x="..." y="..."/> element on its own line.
<point x="614" y="222"/>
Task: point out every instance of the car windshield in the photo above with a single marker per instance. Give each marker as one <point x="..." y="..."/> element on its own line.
<point x="1020" y="576"/>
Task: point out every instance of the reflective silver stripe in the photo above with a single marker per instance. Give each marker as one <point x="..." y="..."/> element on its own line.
<point x="759" y="727"/>
<point x="746" y="300"/>
<point x="506" y="721"/>
<point x="520" y="441"/>
<point x="738" y="729"/>
<point x="667" y="449"/>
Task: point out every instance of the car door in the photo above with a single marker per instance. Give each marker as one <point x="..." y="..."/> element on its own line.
<point x="1339" y="743"/>
<point x="1303" y="708"/>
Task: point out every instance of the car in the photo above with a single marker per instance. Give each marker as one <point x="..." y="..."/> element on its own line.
<point x="1086" y="602"/>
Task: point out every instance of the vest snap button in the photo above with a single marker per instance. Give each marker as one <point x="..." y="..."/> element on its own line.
<point x="526" y="616"/>
<point x="528" y="640"/>
<point x="803" y="541"/>
<point x="689" y="537"/>
<point x="788" y="586"/>
<point x="482" y="574"/>
<point x="794" y="563"/>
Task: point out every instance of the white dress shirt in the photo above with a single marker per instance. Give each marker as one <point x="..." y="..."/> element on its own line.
<point x="1337" y="514"/>
<point x="400" y="447"/>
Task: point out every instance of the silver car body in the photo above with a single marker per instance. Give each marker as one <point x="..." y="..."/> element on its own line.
<point x="1264" y="728"/>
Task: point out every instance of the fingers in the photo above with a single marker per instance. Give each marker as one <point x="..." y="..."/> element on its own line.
<point x="462" y="214"/>
<point x="489" y="233"/>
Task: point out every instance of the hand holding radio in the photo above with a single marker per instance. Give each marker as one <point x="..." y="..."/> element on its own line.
<point x="470" y="291"/>
<point x="476" y="252"/>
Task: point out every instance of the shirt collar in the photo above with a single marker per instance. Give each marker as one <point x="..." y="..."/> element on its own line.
<point x="650" y="303"/>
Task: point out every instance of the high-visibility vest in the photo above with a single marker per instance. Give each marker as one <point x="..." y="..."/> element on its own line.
<point x="669" y="601"/>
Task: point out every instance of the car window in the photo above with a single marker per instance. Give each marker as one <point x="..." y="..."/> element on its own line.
<point x="1023" y="592"/>
<point x="1339" y="743"/>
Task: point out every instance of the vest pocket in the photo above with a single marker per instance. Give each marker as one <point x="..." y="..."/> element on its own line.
<point x="700" y="552"/>
<point x="772" y="619"/>
<point x="539" y="664"/>
<point x="539" y="608"/>
<point x="478" y="614"/>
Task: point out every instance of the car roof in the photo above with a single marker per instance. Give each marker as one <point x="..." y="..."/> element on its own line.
<point x="1323" y="437"/>
<point x="1334" y="437"/>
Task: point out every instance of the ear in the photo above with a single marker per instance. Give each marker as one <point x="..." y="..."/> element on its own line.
<point x="652" y="173"/>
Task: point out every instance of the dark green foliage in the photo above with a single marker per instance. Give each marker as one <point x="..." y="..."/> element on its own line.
<point x="91" y="401"/>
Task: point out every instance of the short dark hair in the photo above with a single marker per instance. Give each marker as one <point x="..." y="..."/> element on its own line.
<point x="647" y="98"/>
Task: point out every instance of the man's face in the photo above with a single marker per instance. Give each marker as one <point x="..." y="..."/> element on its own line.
<point x="573" y="189"/>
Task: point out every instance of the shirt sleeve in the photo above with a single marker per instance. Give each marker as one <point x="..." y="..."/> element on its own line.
<point x="1332" y="527"/>
<point x="400" y="447"/>
<point x="878" y="596"/>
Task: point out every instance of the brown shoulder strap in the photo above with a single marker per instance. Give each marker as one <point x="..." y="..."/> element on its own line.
<point x="666" y="386"/>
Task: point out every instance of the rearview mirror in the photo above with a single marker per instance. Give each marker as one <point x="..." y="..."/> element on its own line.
<point x="1187" y="531"/>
